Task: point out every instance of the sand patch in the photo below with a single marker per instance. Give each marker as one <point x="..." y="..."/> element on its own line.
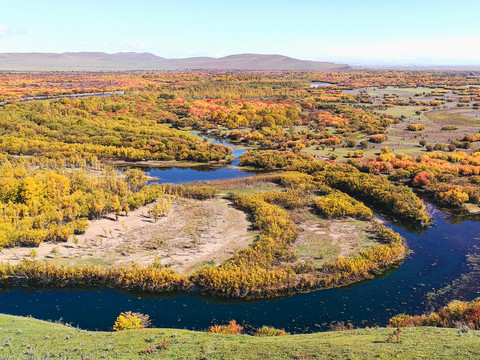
<point x="193" y="234"/>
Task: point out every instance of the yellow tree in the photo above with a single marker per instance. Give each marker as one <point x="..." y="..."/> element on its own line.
<point x="116" y="207"/>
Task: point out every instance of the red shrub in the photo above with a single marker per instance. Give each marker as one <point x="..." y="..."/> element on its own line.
<point x="423" y="178"/>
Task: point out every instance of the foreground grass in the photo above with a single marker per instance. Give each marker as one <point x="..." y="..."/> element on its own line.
<point x="25" y="338"/>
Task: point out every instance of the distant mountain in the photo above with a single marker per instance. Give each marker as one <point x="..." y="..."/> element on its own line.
<point x="99" y="61"/>
<point x="472" y="67"/>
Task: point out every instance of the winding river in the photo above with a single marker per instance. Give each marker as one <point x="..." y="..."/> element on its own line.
<point x="184" y="175"/>
<point x="439" y="256"/>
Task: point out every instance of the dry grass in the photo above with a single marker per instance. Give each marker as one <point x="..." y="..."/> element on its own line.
<point x="194" y="234"/>
<point x="322" y="240"/>
<point x="462" y="117"/>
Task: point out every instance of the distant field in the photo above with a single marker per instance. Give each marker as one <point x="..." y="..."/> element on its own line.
<point x="464" y="117"/>
<point x="408" y="111"/>
<point x="404" y="92"/>
<point x="467" y="120"/>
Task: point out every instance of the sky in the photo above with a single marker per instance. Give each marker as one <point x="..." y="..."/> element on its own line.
<point x="380" y="32"/>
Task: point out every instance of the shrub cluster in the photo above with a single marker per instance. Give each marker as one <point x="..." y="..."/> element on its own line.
<point x="199" y="192"/>
<point x="338" y="204"/>
<point x="231" y="329"/>
<point x="416" y="127"/>
<point x="454" y="315"/>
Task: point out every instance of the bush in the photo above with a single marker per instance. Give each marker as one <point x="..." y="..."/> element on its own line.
<point x="273" y="159"/>
<point x="416" y="127"/>
<point x="423" y="178"/>
<point x="128" y="320"/>
<point x="378" y="138"/>
<point x="452" y="147"/>
<point x="199" y="192"/>
<point x="400" y="174"/>
<point x="399" y="201"/>
<point x="338" y="204"/>
<point x="270" y="331"/>
<point x="472" y="138"/>
<point x="441" y="147"/>
<point x="451" y="195"/>
<point x="290" y="199"/>
<point x="351" y="143"/>
<point x="231" y="329"/>
<point x="79" y="226"/>
<point x="357" y="154"/>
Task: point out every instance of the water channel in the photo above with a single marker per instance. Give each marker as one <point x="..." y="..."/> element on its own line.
<point x="439" y="256"/>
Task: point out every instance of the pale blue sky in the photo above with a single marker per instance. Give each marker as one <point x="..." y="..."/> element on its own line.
<point x="368" y="31"/>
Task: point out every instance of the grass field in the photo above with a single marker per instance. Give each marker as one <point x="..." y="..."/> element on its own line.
<point x="26" y="338"/>
<point x="465" y="117"/>
<point x="407" y="111"/>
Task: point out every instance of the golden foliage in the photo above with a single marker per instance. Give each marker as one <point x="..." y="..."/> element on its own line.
<point x="338" y="204"/>
<point x="128" y="320"/>
<point x="231" y="329"/>
<point x="456" y="314"/>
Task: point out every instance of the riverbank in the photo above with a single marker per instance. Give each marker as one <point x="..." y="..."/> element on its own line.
<point x="28" y="338"/>
<point x="166" y="164"/>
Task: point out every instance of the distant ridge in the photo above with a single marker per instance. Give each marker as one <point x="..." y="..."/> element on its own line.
<point x="472" y="67"/>
<point x="99" y="61"/>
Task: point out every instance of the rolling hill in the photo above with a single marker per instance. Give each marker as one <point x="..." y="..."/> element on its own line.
<point x="99" y="61"/>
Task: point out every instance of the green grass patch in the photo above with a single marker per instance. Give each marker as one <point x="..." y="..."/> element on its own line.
<point x="463" y="117"/>
<point x="25" y="338"/>
<point x="319" y="252"/>
<point x="408" y="111"/>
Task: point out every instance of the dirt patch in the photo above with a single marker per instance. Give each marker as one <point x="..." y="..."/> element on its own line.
<point x="194" y="234"/>
<point x="322" y="240"/>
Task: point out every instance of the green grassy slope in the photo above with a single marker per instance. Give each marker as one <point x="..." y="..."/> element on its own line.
<point x="25" y="338"/>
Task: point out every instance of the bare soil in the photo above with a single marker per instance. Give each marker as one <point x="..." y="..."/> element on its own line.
<point x="193" y="234"/>
<point x="323" y="240"/>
